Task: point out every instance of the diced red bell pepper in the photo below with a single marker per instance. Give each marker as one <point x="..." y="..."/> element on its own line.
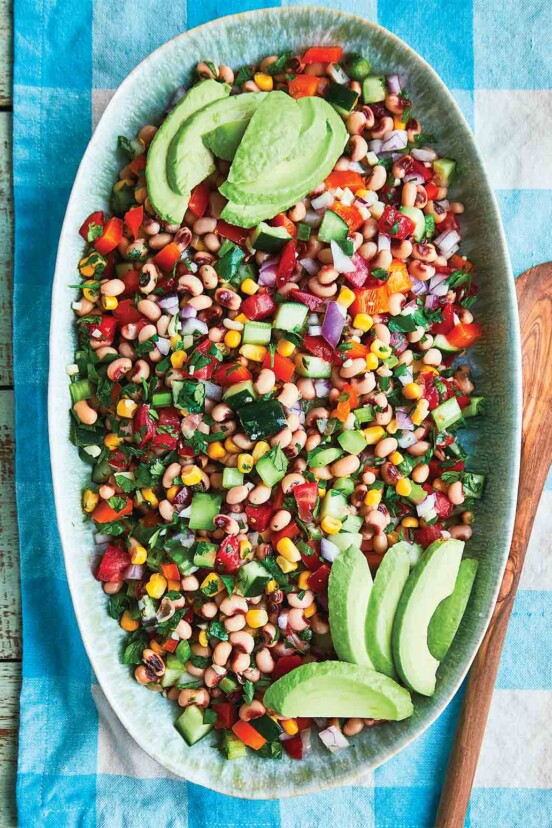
<point x="170" y="571"/>
<point x="114" y="562"/>
<point x="282" y="366"/>
<point x="102" y="330"/>
<point x="345" y="178"/>
<point x="290" y="531"/>
<point x="286" y="265"/>
<point x="370" y="301"/>
<point x="205" y="372"/>
<point x="231" y="232"/>
<point x="293" y="747"/>
<point x="259" y="306"/>
<point x="199" y="200"/>
<point x="230" y="374"/>
<point x="126" y="314"/>
<point x="360" y="276"/>
<point x="311" y="561"/>
<point x="318" y="347"/>
<point x="111" y="236"/>
<point x="443" y="506"/>
<point x="258" y="517"/>
<point x="463" y="335"/>
<point x="132" y="281"/>
<point x="348" y="403"/>
<point x="303" y="723"/>
<point x="432" y="190"/>
<point x="318" y="581"/>
<point x="285" y="665"/>
<point x="429" y="393"/>
<point x="417" y="167"/>
<point x="306" y="495"/>
<point x="117" y="460"/>
<point x="103" y="513"/>
<point x="170" y="645"/>
<point x="323" y="54"/>
<point x="94" y="220"/>
<point x="227" y="559"/>
<point x="167" y="256"/>
<point x="143" y="425"/>
<point x="226" y="715"/>
<point x="281" y="220"/>
<point x="459" y="263"/>
<point x="446" y="324"/>
<point x="133" y="219"/>
<point x="450" y="222"/>
<point x="350" y="214"/>
<point x="167" y="430"/>
<point x="312" y="302"/>
<point x="395" y="224"/>
<point x="425" y="535"/>
<point x="248" y="735"/>
<point x="303" y="86"/>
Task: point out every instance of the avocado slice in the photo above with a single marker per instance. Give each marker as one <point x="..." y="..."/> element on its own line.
<point x="188" y="160"/>
<point x="349" y="588"/>
<point x="168" y="205"/>
<point x="270" y="137"/>
<point x="430" y="582"/>
<point x="335" y="689"/>
<point x="389" y="582"/>
<point x="224" y="140"/>
<point x="448" y="615"/>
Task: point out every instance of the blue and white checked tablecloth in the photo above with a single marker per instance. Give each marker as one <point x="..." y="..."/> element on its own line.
<point x="76" y="765"/>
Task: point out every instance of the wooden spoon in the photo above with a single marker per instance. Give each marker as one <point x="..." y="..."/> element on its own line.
<point x="534" y="293"/>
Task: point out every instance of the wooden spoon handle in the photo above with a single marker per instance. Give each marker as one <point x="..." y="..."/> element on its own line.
<point x="534" y="291"/>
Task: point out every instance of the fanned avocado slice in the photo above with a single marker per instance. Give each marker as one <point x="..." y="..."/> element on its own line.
<point x="225" y="139"/>
<point x="448" y="615"/>
<point x="168" y="205"/>
<point x="389" y="582"/>
<point x="331" y="689"/>
<point x="348" y="592"/>
<point x="189" y="161"/>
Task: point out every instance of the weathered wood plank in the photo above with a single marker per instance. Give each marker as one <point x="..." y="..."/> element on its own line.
<point x="10" y="680"/>
<point x="6" y="232"/>
<point x="10" y="603"/>
<point x="5" y="52"/>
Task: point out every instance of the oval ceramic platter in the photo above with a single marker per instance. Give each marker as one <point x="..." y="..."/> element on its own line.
<point x="493" y="442"/>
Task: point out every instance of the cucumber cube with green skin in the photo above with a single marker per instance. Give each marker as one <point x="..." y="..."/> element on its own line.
<point x="267" y="727"/>
<point x="191" y="726"/>
<point x="272" y="467"/>
<point x="228" y="684"/>
<point x="269" y="239"/>
<point x="333" y="505"/>
<point x="240" y="394"/>
<point x="333" y="228"/>
<point x="291" y="316"/>
<point x="444" y="169"/>
<point x="252" y="579"/>
<point x="474" y="408"/>
<point x="416" y="215"/>
<point x="447" y="414"/>
<point x="205" y="554"/>
<point x="231" y="478"/>
<point x="171" y="675"/>
<point x="442" y="343"/>
<point x="374" y="89"/>
<point x="204" y="508"/>
<point x="313" y="367"/>
<point x="417" y="493"/>
<point x="346" y="485"/>
<point x="257" y="333"/>
<point x="324" y="456"/>
<point x="233" y="747"/>
<point x="183" y="652"/>
<point x="341" y="98"/>
<point x="364" y="414"/>
<point x="352" y="441"/>
<point x="262" y="419"/>
<point x="148" y="608"/>
<point x="352" y="523"/>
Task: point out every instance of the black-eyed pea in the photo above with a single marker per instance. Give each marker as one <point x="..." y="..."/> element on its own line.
<point x="322" y="291"/>
<point x="200" y="303"/>
<point x="384" y="417"/>
<point x="149" y="309"/>
<point x="346" y="466"/>
<point x="383" y="260"/>
<point x="240" y="662"/>
<point x="250" y="711"/>
<point x="386" y="447"/>
<point x="455" y="493"/>
<point x="265" y="381"/>
<point x="117" y="369"/>
<point x="233" y="605"/>
<point x="289" y="395"/>
<point x="264" y="661"/>
<point x="353" y="726"/>
<point x="356" y="122"/>
<point x="426" y="343"/>
<point x="296" y="602"/>
<point x="208" y="276"/>
<point x="433" y="357"/>
<point x="322" y="473"/>
<point x="293" y="422"/>
<point x="141" y="371"/>
<point x="352" y="368"/>
<point x="86" y="414"/>
<point x="190" y="284"/>
<point x="396" y="304"/>
<point x="166" y="510"/>
<point x="204" y="225"/>
<point x="280" y="520"/>
<point x="113" y="587"/>
<point x="282" y="438"/>
<point x="237" y="494"/>
<point x="358" y="147"/>
<point x="209" y="609"/>
<point x="221" y="412"/>
<point x="259" y="494"/>
<point x="160" y="240"/>
<point x="365" y="385"/>
<point x="222" y="653"/>
<point x="298" y="212"/>
<point x="378" y="178"/>
<point x="290" y="481"/>
<point x="420" y="473"/>
<point x="227" y="298"/>
<point x="382" y="333"/>
<point x="380" y="543"/>
<point x="327" y="275"/>
<point x="325" y="256"/>
<point x="462" y="532"/>
<point x="112" y="287"/>
<point x="419" y="449"/>
<point x="313" y="441"/>
<point x="306" y="388"/>
<point x="297" y="621"/>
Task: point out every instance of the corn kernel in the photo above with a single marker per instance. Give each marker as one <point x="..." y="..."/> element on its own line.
<point x="290" y="726"/>
<point x="150" y="497"/>
<point x="230" y="446"/>
<point x="111" y="441"/>
<point x="285" y="348"/>
<point x="260" y="449"/>
<point x="174" y="340"/>
<point x="202" y="638"/>
<point x="428" y="369"/>
<point x="90" y="500"/>
<point x="128" y="623"/>
<point x="172" y="492"/>
<point x="363" y="322"/>
<point x="374" y="434"/>
<point x="309" y="611"/>
<point x="392" y="538"/>
<point x="245" y="548"/>
<point x="288" y="550"/>
<point x="321" y="492"/>
<point x="126" y="408"/>
<point x="420" y="412"/>
<point x="256" y="618"/>
<point x="157" y="648"/>
<point x="178" y="358"/>
<point x="403" y="487"/>
<point x="331" y="525"/>
<point x="109" y="303"/>
<point x="215" y="451"/>
<point x="90" y="293"/>
<point x="410" y="522"/>
<point x="241" y="317"/>
<point x="392" y="426"/>
<point x="398" y="123"/>
<point x="412" y="391"/>
<point x="245" y="463"/>
<point x="263" y="81"/>
<point x="139" y="555"/>
<point x="249" y="287"/>
<point x="232" y="339"/>
<point x="380" y="349"/>
<point x="192" y="476"/>
<point x="156" y="585"/>
<point x="212" y="584"/>
<point x="173" y="585"/>
<point x="271" y="587"/>
<point x="396" y="458"/>
<point x="371" y="362"/>
<point x="346" y="297"/>
<point x="372" y="498"/>
<point x="285" y="566"/>
<point x="256" y="353"/>
<point x="303" y="580"/>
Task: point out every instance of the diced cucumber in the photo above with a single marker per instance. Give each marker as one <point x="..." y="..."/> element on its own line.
<point x="291" y="316"/>
<point x="242" y="393"/>
<point x="333" y="505"/>
<point x="343" y="540"/>
<point x="204" y="508"/>
<point x="346" y="485"/>
<point x="416" y="215"/>
<point x="191" y="726"/>
<point x="474" y="408"/>
<point x="429" y="226"/>
<point x="228" y="684"/>
<point x="80" y="390"/>
<point x="364" y="414"/>
<point x="374" y="89"/>
<point x="272" y="466"/>
<point x="447" y="414"/>
<point x="267" y="727"/>
<point x="333" y="228"/>
<point x="303" y="232"/>
<point x="417" y="494"/>
<point x="307" y="365"/>
<point x="101" y="472"/>
<point x="205" y="554"/>
<point x="183" y="651"/>
<point x="352" y="523"/>
<point x="357" y="67"/>
<point x="257" y="333"/>
<point x="148" y="608"/>
<point x="324" y="456"/>
<point x="444" y="169"/>
<point x="341" y="98"/>
<point x="269" y="239"/>
<point x="233" y="747"/>
<point x="262" y="419"/>
<point x="352" y="441"/>
<point x="252" y="579"/>
<point x="473" y="484"/>
<point x="231" y="477"/>
<point x="171" y="675"/>
<point x="442" y="343"/>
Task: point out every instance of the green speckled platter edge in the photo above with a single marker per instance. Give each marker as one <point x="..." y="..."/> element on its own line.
<point x="493" y="441"/>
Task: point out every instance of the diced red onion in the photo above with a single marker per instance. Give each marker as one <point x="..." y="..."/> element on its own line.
<point x="310" y="265"/>
<point x="452" y="251"/>
<point x="334" y="322"/>
<point x="285" y="737"/>
<point x="186" y="539"/>
<point x="384" y="242"/>
<point x="185" y="513"/>
<point x="323" y="201"/>
<point x="444" y="203"/>
<point x="100" y="539"/>
<point x="322" y="388"/>
<point x="409" y="308"/>
<point x="313" y="319"/>
<point x="367" y="200"/>
<point x="342" y="263"/>
<point x="407" y="439"/>
<point x="376" y="145"/>
<point x="394" y="84"/>
<point x="283" y="620"/>
<point x="134" y="572"/>
<point x="396" y="140"/>
<point x="306" y="739"/>
<point x="191" y="326"/>
<point x="418" y="287"/>
<point x="188" y="312"/>
<point x="312" y="218"/>
<point x="169" y="303"/>
<point x="413" y="178"/>
<point x="337" y="74"/>
<point x="426" y="506"/>
<point x="356" y="166"/>
<point x="447" y="240"/>
<point x="424" y="154"/>
<point x="334" y="739"/>
<point x="440" y="290"/>
<point x="241" y="517"/>
<point x="329" y="550"/>
<point x="297" y="643"/>
<point x="213" y="391"/>
<point x="267" y="272"/>
<point x="164" y="345"/>
<point x="438" y="279"/>
<point x="315" y="330"/>
<point x="431" y="302"/>
<point x="403" y="420"/>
